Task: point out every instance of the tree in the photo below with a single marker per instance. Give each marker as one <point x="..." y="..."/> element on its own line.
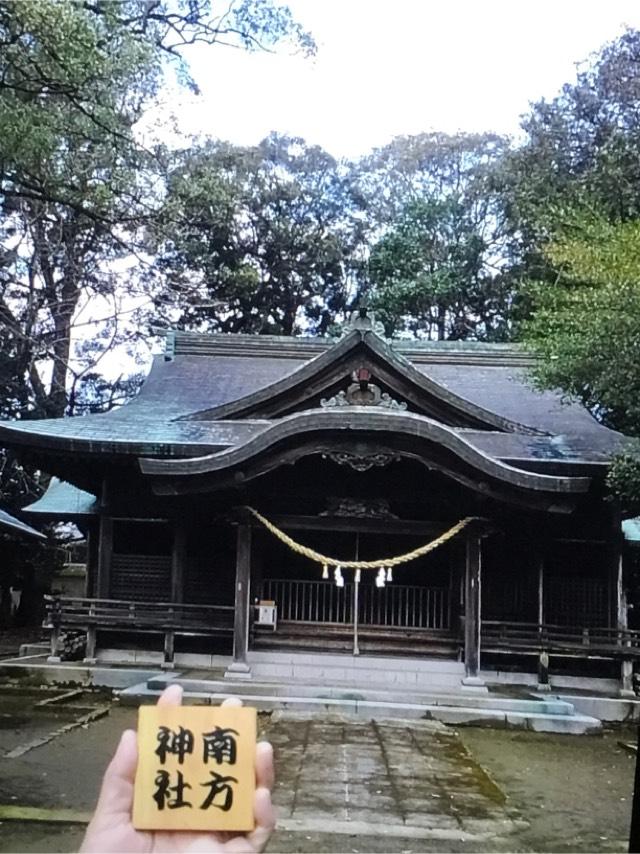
<point x="84" y="72"/>
<point x="77" y="185"/>
<point x="259" y="239"/>
<point x="580" y="148"/>
<point x="584" y="328"/>
<point x="572" y="197"/>
<point x="429" y="166"/>
<point x="441" y="248"/>
<point x="430" y="276"/>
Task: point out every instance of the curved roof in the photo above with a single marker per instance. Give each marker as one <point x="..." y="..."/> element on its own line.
<point x="203" y="378"/>
<point x="9" y="524"/>
<point x="312" y="431"/>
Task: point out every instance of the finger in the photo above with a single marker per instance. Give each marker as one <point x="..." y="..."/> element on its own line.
<point x="265" y="773"/>
<point x="265" y="818"/>
<point x="231" y="701"/>
<point x="170" y="697"/>
<point x="116" y="794"/>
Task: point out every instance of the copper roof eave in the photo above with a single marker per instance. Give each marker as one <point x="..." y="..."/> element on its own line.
<point x="12" y="525"/>
<point x="422" y="431"/>
<point x="299" y="378"/>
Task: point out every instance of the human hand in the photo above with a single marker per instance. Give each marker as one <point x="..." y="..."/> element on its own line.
<point x="111" y="832"/>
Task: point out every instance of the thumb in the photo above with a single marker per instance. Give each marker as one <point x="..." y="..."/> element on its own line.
<point x="116" y="794"/>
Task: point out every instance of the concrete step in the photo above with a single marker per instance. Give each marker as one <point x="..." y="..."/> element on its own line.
<point x="34" y="648"/>
<point x="457" y="710"/>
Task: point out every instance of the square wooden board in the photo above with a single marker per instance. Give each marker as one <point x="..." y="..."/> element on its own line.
<point x="196" y="768"/>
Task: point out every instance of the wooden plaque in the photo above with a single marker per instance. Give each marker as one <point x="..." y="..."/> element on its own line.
<point x="196" y="768"/>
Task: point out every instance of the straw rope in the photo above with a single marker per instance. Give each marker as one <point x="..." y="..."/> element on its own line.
<point x="318" y="557"/>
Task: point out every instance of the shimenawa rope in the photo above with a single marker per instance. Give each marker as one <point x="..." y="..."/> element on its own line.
<point x="318" y="557"/>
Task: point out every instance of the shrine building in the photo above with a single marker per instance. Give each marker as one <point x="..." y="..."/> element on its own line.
<point x="224" y="504"/>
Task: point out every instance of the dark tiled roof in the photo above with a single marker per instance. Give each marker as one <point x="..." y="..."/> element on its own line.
<point x="209" y="371"/>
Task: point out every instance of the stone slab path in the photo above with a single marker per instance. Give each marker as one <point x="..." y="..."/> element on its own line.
<point x="386" y="778"/>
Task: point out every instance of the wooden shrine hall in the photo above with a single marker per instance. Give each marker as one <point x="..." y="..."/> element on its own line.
<point x="203" y="498"/>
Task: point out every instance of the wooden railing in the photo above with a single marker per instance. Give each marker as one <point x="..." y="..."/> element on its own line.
<point x="500" y="636"/>
<point x="395" y="605"/>
<point x="69" y="613"/>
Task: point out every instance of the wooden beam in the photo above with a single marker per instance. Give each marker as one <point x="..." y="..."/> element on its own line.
<point x="364" y="525"/>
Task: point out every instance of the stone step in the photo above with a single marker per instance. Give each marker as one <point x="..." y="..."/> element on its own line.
<point x="471" y="714"/>
<point x="309" y="690"/>
<point x="386" y="672"/>
<point x="343" y="642"/>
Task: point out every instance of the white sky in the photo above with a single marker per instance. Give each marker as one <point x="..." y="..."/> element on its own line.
<point x="401" y="67"/>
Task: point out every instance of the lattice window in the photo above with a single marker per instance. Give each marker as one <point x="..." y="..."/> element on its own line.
<point x="141" y="578"/>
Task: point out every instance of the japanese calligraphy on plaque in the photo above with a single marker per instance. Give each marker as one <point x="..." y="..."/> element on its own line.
<point x="195" y="768"/>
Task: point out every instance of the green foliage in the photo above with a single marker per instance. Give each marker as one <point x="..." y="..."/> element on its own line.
<point x="430" y="276"/>
<point x="572" y="196"/>
<point x="580" y="151"/>
<point x="623" y="479"/>
<point x="431" y="166"/>
<point x="585" y="330"/>
<point x="585" y="326"/>
<point x="440" y="246"/>
<point x="78" y="188"/>
<point x="255" y="240"/>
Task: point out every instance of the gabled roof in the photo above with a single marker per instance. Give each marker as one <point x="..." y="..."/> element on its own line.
<point x="482" y="390"/>
<point x="360" y="347"/>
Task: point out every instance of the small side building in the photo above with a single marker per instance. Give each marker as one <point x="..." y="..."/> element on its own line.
<point x="360" y="449"/>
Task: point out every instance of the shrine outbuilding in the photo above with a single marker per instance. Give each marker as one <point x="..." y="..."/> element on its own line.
<point x="235" y="506"/>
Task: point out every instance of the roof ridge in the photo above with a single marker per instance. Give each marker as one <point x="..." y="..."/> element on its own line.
<point x="306" y="347"/>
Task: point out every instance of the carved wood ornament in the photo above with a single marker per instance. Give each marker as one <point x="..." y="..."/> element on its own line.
<point x="362" y="392"/>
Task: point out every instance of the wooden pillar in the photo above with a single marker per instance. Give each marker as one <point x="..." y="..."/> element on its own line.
<point x="91" y="577"/>
<point x="178" y="561"/>
<point x="540" y="590"/>
<point x="239" y="668"/>
<point x="56" y="645"/>
<point x="472" y="616"/>
<point x="53" y="613"/>
<point x="90" y="649"/>
<point x="543" y="658"/>
<point x="105" y="552"/>
<point x="622" y="624"/>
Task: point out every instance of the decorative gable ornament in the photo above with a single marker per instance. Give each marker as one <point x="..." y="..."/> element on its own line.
<point x="362" y="392"/>
<point x="363" y="320"/>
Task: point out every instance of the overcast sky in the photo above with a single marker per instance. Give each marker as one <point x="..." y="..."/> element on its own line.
<point x="400" y="67"/>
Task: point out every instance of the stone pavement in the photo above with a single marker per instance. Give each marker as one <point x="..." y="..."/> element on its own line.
<point x="387" y="778"/>
<point x="347" y="784"/>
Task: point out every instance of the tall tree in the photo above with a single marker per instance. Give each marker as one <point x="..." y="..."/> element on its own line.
<point x="429" y="166"/>
<point x="440" y="242"/>
<point x="78" y="187"/>
<point x="260" y="239"/>
<point x="584" y="328"/>
<point x="431" y="276"/>
<point x="580" y="148"/>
